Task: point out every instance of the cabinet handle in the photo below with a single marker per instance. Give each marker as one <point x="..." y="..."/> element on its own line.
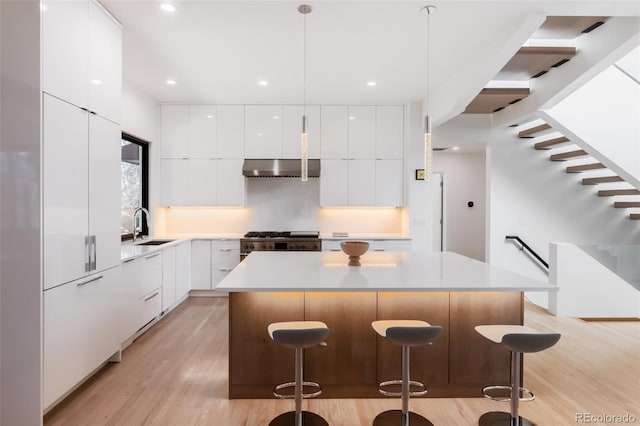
<point x="152" y="256"/>
<point x="93" y="112"/>
<point x="87" y="253"/>
<point x="129" y="260"/>
<point x="84" y="109"/>
<point x="90" y="281"/>
<point x="335" y="250"/>
<point x="93" y="259"/>
<point x="379" y="249"/>
<point x="227" y="249"/>
<point x="224" y="270"/>
<point x="146" y="299"/>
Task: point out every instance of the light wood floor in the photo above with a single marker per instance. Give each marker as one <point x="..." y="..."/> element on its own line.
<point x="176" y="374"/>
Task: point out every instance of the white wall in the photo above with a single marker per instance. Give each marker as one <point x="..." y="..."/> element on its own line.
<point x="20" y="261"/>
<point x="536" y="199"/>
<point x="602" y="118"/>
<point x="141" y="118"/>
<point x="464" y="181"/>
<point x="140" y="113"/>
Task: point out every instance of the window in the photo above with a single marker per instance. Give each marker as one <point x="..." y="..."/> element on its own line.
<point x="134" y="167"/>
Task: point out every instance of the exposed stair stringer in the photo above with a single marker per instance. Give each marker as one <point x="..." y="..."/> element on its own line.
<point x="547" y="137"/>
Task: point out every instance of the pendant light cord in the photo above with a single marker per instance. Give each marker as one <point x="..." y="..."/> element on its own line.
<point x="304" y="67"/>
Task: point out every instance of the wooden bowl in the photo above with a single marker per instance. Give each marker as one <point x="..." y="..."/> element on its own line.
<point x="354" y="249"/>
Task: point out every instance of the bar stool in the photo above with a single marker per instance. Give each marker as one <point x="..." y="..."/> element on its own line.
<point x="406" y="333"/>
<point x="298" y="335"/>
<point x="519" y="339"/>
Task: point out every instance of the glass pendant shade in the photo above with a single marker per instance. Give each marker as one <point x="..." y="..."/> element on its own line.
<point x="304" y="151"/>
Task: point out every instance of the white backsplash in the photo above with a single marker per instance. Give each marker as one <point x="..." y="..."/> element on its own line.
<point x="277" y="204"/>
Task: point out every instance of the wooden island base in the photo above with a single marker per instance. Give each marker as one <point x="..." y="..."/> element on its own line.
<point x="459" y="363"/>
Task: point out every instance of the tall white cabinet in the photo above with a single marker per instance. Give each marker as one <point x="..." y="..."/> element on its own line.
<point x="81" y="84"/>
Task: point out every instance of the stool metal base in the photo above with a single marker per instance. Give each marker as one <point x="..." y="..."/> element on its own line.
<point x="289" y="419"/>
<point x="394" y="418"/>
<point x="499" y="418"/>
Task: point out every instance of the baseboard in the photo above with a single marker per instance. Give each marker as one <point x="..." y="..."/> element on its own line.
<point x="208" y="293"/>
<point x="605" y="319"/>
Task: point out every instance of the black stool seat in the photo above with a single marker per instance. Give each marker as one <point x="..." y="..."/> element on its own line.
<point x="298" y="335"/>
<point x="405" y="333"/>
<point x="518" y="339"/>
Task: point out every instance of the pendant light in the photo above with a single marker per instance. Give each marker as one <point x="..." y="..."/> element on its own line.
<point x="305" y="9"/>
<point x="428" y="149"/>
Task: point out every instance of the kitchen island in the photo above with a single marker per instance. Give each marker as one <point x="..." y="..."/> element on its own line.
<point x="441" y="288"/>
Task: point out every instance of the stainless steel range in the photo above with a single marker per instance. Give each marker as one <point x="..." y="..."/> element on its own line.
<point x="280" y="241"/>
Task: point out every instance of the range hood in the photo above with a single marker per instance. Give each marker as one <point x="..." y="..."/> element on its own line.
<point x="278" y="167"/>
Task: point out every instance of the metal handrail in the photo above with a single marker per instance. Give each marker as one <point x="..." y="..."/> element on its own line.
<point x="529" y="249"/>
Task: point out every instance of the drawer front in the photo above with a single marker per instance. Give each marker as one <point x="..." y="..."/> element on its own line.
<point x="149" y="307"/>
<point x="225" y="244"/>
<point x="218" y="275"/>
<point x="224" y="258"/>
<point x="151" y="273"/>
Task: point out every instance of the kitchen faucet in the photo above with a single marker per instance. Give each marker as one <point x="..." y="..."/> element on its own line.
<point x="135" y="212"/>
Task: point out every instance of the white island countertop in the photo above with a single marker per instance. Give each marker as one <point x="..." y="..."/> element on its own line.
<point x="379" y="271"/>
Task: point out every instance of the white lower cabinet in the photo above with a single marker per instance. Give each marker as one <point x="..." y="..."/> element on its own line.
<point x="211" y="261"/>
<point x="141" y="292"/>
<point x="81" y="330"/>
<point x="183" y="270"/>
<point x="201" y="265"/>
<point x="374" y="245"/>
<point x="225" y="255"/>
<point x="176" y="275"/>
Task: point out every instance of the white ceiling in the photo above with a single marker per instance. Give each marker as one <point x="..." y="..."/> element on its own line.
<point x="218" y="50"/>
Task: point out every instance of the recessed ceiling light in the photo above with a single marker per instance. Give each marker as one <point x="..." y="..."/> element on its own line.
<point x="96" y="82"/>
<point x="352" y="117"/>
<point x="171" y="82"/>
<point x="371" y="83"/>
<point x="43" y="7"/>
<point x="209" y="116"/>
<point x="168" y="7"/>
<point x="263" y="83"/>
<point x="455" y="148"/>
<point x="275" y="117"/>
<point x="258" y="134"/>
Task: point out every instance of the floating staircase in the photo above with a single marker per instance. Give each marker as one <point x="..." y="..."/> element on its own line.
<point x="582" y="162"/>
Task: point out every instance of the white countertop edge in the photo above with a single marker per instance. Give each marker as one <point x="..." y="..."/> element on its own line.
<point x="384" y="289"/>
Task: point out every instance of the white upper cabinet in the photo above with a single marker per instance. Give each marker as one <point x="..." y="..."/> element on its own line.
<point x="389" y="183"/>
<point x="230" y="131"/>
<point x="263" y="131"/>
<point x="334" y="132"/>
<point x="334" y="179"/>
<point x="203" y="181"/>
<point x="82" y="56"/>
<point x="292" y="130"/>
<point x="362" y="132"/>
<point x="65" y="50"/>
<point x="174" y="131"/>
<point x="389" y="132"/>
<point x="361" y="183"/>
<point x="231" y="185"/>
<point x="105" y="63"/>
<point x="202" y="131"/>
<point x="174" y="182"/>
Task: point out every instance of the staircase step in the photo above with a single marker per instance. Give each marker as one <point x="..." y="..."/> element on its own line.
<point x="634" y="216"/>
<point x="529" y="132"/>
<point x="611" y="192"/>
<point x="601" y="179"/>
<point x="626" y="204"/>
<point x="584" y="167"/>
<point x="571" y="154"/>
<point x="548" y="144"/>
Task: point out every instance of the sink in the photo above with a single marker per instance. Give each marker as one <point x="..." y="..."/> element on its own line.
<point x="154" y="242"/>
